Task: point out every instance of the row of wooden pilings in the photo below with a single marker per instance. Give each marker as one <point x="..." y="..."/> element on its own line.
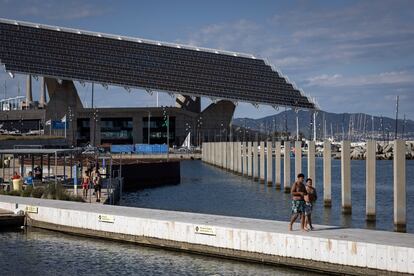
<point x="252" y="159"/>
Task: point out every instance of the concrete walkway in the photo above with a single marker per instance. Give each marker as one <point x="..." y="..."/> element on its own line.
<point x="356" y="251"/>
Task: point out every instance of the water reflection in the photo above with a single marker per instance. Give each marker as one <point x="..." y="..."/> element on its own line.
<point x="207" y="189"/>
<point x="40" y="252"/>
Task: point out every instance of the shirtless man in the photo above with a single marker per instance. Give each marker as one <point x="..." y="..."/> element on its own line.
<point x="298" y="191"/>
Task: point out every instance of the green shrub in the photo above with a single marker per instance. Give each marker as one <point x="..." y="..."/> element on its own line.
<point x="38" y="192"/>
<point x="27" y="192"/>
<point x="14" y="193"/>
<point x="76" y="198"/>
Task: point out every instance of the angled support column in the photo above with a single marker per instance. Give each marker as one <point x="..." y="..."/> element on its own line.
<point x="255" y="161"/>
<point x="262" y="162"/>
<point x="286" y="167"/>
<point x="346" y="177"/>
<point x="327" y="156"/>
<point x="370" y="180"/>
<point x="278" y="167"/>
<point x="269" y="163"/>
<point x="311" y="162"/>
<point x="400" y="196"/>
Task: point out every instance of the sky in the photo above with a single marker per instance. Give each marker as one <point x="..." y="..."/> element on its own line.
<point x="351" y="56"/>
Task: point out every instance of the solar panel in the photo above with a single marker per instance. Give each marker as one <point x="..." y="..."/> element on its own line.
<point x="128" y="62"/>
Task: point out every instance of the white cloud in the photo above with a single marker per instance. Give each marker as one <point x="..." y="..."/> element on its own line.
<point x="337" y="80"/>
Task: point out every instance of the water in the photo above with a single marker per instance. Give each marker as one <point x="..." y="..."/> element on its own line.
<point x="41" y="252"/>
<point x="207" y="189"/>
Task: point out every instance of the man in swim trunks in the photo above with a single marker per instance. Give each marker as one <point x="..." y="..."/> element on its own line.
<point x="298" y="191"/>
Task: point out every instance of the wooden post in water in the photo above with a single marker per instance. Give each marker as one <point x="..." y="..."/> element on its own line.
<point x="255" y="161"/>
<point x="400" y="196"/>
<point x="311" y="162"/>
<point x="370" y="180"/>
<point x="231" y="167"/>
<point x="327" y="156"/>
<point x="249" y="158"/>
<point x="262" y="162"/>
<point x="346" y="177"/>
<point x="269" y="164"/>
<point x="286" y="167"/>
<point x="298" y="158"/>
<point x="278" y="166"/>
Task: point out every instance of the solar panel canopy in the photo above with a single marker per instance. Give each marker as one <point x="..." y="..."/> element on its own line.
<point x="136" y="63"/>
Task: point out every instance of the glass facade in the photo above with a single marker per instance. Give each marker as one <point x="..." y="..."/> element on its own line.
<point x="83" y="133"/>
<point x="116" y="131"/>
<point x="158" y="130"/>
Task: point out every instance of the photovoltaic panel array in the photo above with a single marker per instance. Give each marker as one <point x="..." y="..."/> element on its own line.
<point x="134" y="63"/>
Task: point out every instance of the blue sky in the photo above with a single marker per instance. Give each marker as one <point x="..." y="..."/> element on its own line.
<point x="352" y="56"/>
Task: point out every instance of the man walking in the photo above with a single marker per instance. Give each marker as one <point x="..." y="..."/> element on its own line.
<point x="298" y="191"/>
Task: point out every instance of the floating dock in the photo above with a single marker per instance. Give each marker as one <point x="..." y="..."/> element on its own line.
<point x="9" y="219"/>
<point x="329" y="249"/>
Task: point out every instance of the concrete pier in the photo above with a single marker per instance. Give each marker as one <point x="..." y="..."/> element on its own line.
<point x="330" y="249"/>
<point x="249" y="159"/>
<point x="255" y="161"/>
<point x="298" y="158"/>
<point x="262" y="162"/>
<point x="269" y="163"/>
<point x="346" y="177"/>
<point x="400" y="197"/>
<point x="311" y="162"/>
<point x="278" y="167"/>
<point x="327" y="157"/>
<point x="370" y="180"/>
<point x="286" y="167"/>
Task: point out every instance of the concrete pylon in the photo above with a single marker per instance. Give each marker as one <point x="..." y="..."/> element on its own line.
<point x="42" y="99"/>
<point x="311" y="162"/>
<point x="346" y="177"/>
<point x="255" y="161"/>
<point x="370" y="180"/>
<point x="262" y="162"/>
<point x="400" y="196"/>
<point x="231" y="159"/>
<point x="29" y="93"/>
<point x="239" y="157"/>
<point x="269" y="163"/>
<point x="327" y="156"/>
<point x="249" y="159"/>
<point x="286" y="167"/>
<point x="278" y="166"/>
<point x="245" y="159"/>
<point x="298" y="158"/>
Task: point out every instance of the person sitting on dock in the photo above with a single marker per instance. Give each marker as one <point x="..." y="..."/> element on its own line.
<point x="15" y="176"/>
<point x="85" y="184"/>
<point x="97" y="185"/>
<point x="298" y="191"/>
<point x="28" y="181"/>
<point x="310" y="198"/>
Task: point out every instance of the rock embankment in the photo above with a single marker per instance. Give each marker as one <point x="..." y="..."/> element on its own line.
<point x="385" y="151"/>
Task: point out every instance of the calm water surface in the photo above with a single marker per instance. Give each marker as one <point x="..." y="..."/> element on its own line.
<point x="207" y="189"/>
<point x="41" y="252"/>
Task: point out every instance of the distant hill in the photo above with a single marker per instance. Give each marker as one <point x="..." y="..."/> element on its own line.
<point x="360" y="123"/>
